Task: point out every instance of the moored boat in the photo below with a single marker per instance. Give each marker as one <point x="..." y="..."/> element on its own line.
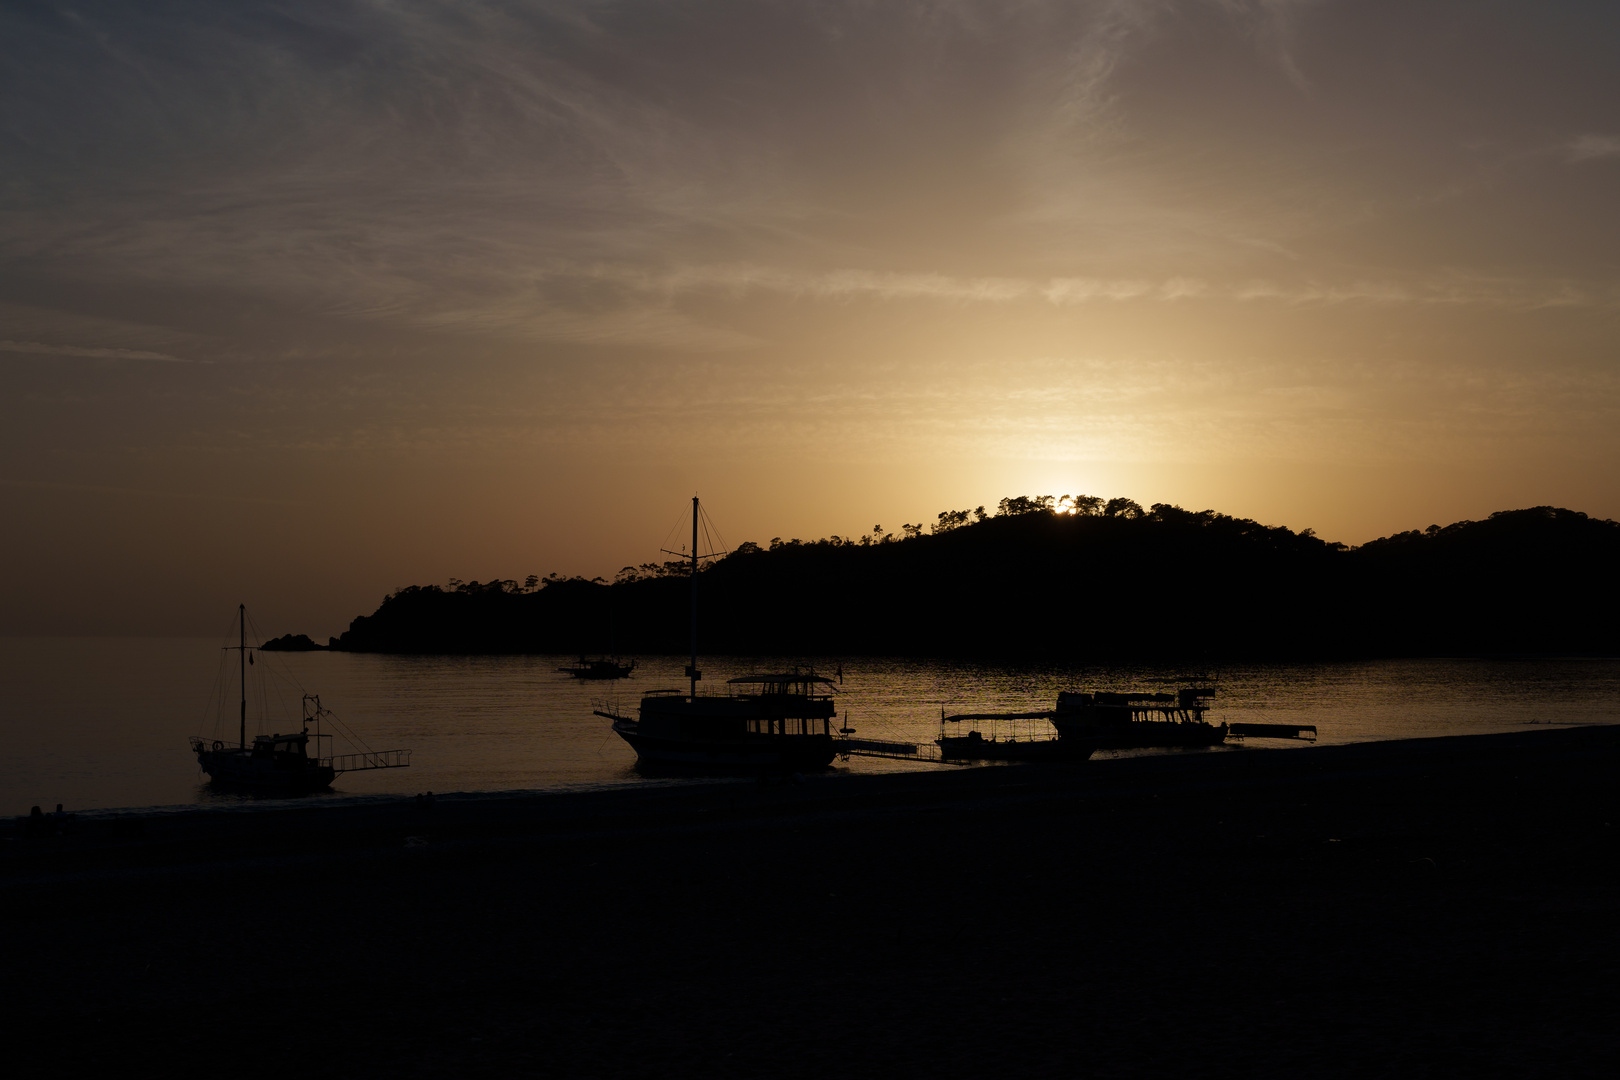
<point x="766" y="722"/>
<point x="781" y="721"/>
<point x="1115" y="721"/>
<point x="274" y="762"/>
<point x="1085" y="722"/>
<point x="1011" y="736"/>
<point x="289" y="764"/>
<point x="605" y="668"/>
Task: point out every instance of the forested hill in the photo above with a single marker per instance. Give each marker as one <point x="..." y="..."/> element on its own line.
<point x="1108" y="582"/>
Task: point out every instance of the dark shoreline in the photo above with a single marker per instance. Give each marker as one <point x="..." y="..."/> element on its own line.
<point x="1439" y="905"/>
<point x="964" y="590"/>
<point x="357" y="816"/>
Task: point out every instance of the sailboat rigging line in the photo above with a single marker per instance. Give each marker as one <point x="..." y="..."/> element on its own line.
<point x="214" y="705"/>
<point x="270" y="678"/>
<point x="703" y="529"/>
<point x="709" y="526"/>
<point x="273" y="677"/>
<point x="326" y="715"/>
<point x="673" y="530"/>
<point x="345" y="730"/>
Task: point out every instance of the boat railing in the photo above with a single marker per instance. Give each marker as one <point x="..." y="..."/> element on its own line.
<point x="373" y="759"/>
<point x="1174" y="714"/>
<point x="1273" y="731"/>
<point x="745" y="695"/>
<point x="1143" y="707"/>
<point x="199" y="743"/>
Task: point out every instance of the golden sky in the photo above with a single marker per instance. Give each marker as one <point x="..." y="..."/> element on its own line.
<point x="303" y="301"/>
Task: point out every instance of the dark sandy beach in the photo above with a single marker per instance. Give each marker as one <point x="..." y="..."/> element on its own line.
<point x="1437" y="907"/>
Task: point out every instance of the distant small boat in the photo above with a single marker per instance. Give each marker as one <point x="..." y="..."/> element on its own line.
<point x="283" y="764"/>
<point x="607" y="668"/>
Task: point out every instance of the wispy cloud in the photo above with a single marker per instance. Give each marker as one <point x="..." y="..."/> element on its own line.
<point x="92" y="352"/>
<point x="144" y="493"/>
<point x="605" y="304"/>
<point x="1275" y="26"/>
<point x="851" y="284"/>
<point x="1592" y="147"/>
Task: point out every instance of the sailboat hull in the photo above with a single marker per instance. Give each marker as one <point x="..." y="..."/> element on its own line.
<point x="239" y="769"/>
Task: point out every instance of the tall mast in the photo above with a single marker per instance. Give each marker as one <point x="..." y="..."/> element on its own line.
<point x="692" y="669"/>
<point x="241" y="655"/>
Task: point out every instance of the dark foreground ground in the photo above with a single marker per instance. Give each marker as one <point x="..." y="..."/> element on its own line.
<point x="1434" y="908"/>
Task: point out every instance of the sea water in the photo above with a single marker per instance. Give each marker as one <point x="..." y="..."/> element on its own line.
<point x="103" y="723"/>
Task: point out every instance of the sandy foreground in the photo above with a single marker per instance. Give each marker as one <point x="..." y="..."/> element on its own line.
<point x="1436" y="907"/>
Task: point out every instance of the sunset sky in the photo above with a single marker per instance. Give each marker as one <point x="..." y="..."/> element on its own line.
<point x="304" y="301"/>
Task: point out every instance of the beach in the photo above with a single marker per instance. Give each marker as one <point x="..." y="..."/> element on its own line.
<point x="1422" y="907"/>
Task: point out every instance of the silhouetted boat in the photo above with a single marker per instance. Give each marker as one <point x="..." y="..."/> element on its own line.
<point x="1123" y="721"/>
<point x="767" y="722"/>
<point x="1022" y="736"/>
<point x="279" y="763"/>
<point x="609" y="668"/>
<point x="1083" y="723"/>
<point x="1113" y="721"/>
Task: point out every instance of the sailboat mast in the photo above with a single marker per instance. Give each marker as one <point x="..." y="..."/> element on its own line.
<point x="692" y="669"/>
<point x="241" y="656"/>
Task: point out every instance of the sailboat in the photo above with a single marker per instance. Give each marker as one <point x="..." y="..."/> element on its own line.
<point x="607" y="667"/>
<point x="778" y="721"/>
<point x="283" y="764"/>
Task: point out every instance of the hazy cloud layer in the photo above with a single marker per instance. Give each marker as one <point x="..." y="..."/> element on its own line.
<point x="463" y="164"/>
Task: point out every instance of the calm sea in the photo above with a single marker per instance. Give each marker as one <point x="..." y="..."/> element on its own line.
<point x="103" y="723"/>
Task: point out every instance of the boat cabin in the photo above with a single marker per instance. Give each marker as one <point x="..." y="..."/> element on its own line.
<point x="290" y="751"/>
<point x="792" y="704"/>
<point x="1186" y="706"/>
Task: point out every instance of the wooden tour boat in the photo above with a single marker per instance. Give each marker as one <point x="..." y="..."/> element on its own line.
<point x="767" y="722"/>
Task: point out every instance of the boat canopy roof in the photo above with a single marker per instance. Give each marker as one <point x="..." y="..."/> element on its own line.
<point x="790" y="678"/>
<point x="1044" y="714"/>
